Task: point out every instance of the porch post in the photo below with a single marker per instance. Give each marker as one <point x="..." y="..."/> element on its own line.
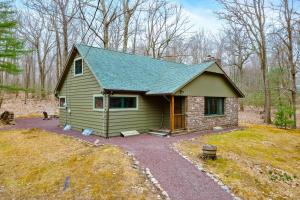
<point x="172" y="114"/>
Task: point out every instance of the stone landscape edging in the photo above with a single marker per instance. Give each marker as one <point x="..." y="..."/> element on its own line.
<point x="149" y="176"/>
<point x="216" y="179"/>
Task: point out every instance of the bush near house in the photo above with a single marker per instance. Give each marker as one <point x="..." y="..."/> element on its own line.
<point x="283" y="116"/>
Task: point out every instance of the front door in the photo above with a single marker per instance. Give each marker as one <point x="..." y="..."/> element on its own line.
<point x="179" y="112"/>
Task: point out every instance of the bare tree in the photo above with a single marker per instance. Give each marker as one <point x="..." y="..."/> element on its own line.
<point x="61" y="13"/>
<point x="164" y="23"/>
<point x="27" y="73"/>
<point x="287" y="35"/>
<point x="136" y="31"/>
<point x="199" y="47"/>
<point x="41" y="39"/>
<point x="251" y="16"/>
<point x="238" y="52"/>
<point x="128" y="11"/>
<point x="104" y="13"/>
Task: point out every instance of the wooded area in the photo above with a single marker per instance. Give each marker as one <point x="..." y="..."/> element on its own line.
<point x="259" y="45"/>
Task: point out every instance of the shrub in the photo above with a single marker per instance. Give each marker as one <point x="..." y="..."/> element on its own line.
<point x="283" y="116"/>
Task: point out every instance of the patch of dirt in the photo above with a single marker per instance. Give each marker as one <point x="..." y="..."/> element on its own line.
<point x="254" y="115"/>
<point x="32" y="108"/>
<point x="251" y="115"/>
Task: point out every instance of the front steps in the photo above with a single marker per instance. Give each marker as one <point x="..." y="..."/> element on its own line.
<point x="162" y="134"/>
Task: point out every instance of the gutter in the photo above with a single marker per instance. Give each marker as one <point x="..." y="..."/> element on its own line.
<point x="107" y="117"/>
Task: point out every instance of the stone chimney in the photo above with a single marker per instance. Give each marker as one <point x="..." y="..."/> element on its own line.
<point x="210" y="58"/>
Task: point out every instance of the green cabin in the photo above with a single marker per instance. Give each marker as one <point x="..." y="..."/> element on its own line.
<point x="110" y="92"/>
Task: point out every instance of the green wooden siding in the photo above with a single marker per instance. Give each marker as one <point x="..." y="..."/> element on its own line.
<point x="79" y="93"/>
<point x="148" y="116"/>
<point x="153" y="111"/>
<point x="214" y="68"/>
<point x="209" y="84"/>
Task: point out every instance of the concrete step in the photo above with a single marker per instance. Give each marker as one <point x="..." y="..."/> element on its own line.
<point x="129" y="133"/>
<point x="160" y="130"/>
<point x="162" y="134"/>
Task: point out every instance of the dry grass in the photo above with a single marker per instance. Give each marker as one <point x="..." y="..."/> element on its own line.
<point x="30" y="115"/>
<point x="259" y="162"/>
<point x="34" y="164"/>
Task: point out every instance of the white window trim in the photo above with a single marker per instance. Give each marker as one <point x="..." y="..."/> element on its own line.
<point x="98" y="109"/>
<point x="62" y="97"/>
<point x="81" y="66"/>
<point x="126" y="109"/>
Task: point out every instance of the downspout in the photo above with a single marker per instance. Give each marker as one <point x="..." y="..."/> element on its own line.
<point x="107" y="115"/>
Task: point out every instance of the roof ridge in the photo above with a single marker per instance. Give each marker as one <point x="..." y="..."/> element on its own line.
<point x="132" y="54"/>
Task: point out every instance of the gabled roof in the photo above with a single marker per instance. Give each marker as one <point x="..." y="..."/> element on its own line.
<point x="128" y="72"/>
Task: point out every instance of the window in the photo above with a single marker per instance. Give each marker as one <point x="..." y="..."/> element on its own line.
<point x="214" y="106"/>
<point x="123" y="102"/>
<point x="62" y="102"/>
<point x="78" y="70"/>
<point x="98" y="102"/>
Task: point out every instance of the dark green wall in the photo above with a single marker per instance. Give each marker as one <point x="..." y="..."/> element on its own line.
<point x="79" y="92"/>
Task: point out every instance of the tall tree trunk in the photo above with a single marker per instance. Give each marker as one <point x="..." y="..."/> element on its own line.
<point x="1" y="91"/>
<point x="241" y="86"/>
<point x="65" y="36"/>
<point x="134" y="39"/>
<point x="267" y="93"/>
<point x="294" y="100"/>
<point x="125" y="38"/>
<point x="58" y="52"/>
<point x="43" y="91"/>
<point x="288" y="18"/>
<point x="33" y="78"/>
<point x="106" y="36"/>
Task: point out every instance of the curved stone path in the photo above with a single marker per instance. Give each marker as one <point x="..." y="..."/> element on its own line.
<point x="178" y="177"/>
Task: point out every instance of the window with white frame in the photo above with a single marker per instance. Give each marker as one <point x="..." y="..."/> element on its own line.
<point x="62" y="102"/>
<point x="123" y="102"/>
<point x="78" y="67"/>
<point x="98" y="102"/>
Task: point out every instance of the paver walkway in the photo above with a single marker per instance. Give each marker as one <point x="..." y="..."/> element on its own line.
<point x="179" y="178"/>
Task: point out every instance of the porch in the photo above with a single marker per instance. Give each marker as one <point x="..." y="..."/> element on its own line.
<point x="176" y="122"/>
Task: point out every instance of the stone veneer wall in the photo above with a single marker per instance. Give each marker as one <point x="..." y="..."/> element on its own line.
<point x="197" y="121"/>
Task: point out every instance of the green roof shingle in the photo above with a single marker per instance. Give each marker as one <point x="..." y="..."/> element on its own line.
<point x="122" y="71"/>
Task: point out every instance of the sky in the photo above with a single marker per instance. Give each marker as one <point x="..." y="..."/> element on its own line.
<point x="202" y="14"/>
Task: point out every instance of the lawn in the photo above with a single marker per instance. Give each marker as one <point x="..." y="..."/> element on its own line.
<point x="35" y="164"/>
<point x="259" y="162"/>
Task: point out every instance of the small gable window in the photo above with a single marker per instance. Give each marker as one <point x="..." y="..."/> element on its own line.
<point x="214" y="106"/>
<point x="98" y="102"/>
<point x="123" y="102"/>
<point x="78" y="67"/>
<point x="62" y="102"/>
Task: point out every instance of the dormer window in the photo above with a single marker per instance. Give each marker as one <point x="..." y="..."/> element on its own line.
<point x="78" y="67"/>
